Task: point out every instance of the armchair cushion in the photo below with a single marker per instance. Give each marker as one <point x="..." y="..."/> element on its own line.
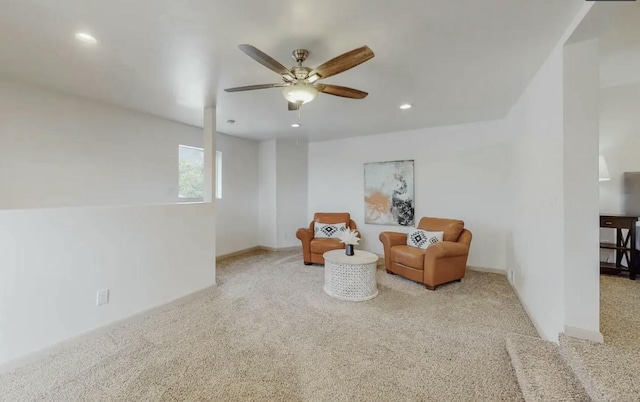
<point x="410" y="256"/>
<point x="423" y="239"/>
<point x="328" y="230"/>
<point x="321" y="246"/>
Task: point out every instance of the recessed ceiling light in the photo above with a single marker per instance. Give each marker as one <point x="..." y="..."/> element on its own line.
<point x="231" y="121"/>
<point x="295" y="125"/>
<point x="86" y="38"/>
<point x="406" y="106"/>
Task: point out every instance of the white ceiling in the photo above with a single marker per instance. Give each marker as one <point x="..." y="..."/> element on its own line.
<point x="456" y="61"/>
<point x="617" y="28"/>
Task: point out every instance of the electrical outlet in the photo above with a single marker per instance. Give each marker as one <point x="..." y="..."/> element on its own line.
<point x="102" y="297"/>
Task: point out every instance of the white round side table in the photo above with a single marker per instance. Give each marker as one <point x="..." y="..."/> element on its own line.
<point x="350" y="277"/>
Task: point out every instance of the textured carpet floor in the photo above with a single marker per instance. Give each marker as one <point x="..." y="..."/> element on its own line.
<point x="542" y="373"/>
<point x="611" y="371"/>
<point x="269" y="332"/>
<point x="607" y="373"/>
<point x="620" y="312"/>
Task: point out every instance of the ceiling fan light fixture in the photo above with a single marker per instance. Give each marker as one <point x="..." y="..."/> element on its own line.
<point x="299" y="93"/>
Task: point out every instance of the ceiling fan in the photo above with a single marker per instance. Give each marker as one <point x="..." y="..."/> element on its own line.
<point x="300" y="83"/>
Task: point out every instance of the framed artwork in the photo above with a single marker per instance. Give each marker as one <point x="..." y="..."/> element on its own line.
<point x="388" y="193"/>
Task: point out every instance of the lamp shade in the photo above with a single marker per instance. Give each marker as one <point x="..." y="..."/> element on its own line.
<point x="603" y="169"/>
<point x="299" y="93"/>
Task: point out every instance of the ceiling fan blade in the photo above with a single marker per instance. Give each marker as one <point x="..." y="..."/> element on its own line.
<point x="252" y="87"/>
<point x="294" y="106"/>
<point x="266" y="60"/>
<point x="343" y="62"/>
<point x="345" y="92"/>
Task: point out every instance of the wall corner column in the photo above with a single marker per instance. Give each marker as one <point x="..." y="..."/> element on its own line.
<point x="209" y="145"/>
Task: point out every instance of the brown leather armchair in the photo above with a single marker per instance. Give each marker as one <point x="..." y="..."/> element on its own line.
<point x="312" y="248"/>
<point x="441" y="262"/>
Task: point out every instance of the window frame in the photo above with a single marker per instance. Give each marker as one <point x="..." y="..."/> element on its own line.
<point x="218" y="183"/>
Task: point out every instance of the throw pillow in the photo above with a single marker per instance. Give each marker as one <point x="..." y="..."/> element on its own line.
<point x="423" y="239"/>
<point x="328" y="230"/>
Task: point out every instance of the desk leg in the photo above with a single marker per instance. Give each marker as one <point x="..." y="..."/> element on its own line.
<point x="633" y="263"/>
<point x="619" y="254"/>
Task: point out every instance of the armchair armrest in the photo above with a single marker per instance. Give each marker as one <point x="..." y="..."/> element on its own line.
<point x="390" y="239"/>
<point x="304" y="234"/>
<point x="445" y="249"/>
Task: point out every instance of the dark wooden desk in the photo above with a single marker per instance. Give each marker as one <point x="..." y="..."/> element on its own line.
<point x="625" y="246"/>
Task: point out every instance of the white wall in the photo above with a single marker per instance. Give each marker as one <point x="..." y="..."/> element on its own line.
<point x="620" y="65"/>
<point x="291" y="192"/>
<point x="461" y="172"/>
<point x="62" y="150"/>
<point x="537" y="253"/>
<point x="54" y="260"/>
<point x="581" y="209"/>
<point x="545" y="156"/>
<point x="237" y="214"/>
<point x="267" y="195"/>
<point x="62" y="159"/>
<point x="282" y="192"/>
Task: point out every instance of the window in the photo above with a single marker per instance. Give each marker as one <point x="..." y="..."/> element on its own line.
<point x="191" y="173"/>
<point x="218" y="175"/>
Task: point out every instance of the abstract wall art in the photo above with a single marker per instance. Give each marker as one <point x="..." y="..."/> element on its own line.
<point x="388" y="193"/>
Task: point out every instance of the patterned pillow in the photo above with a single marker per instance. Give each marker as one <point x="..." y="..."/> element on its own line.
<point x="328" y="230"/>
<point x="423" y="239"/>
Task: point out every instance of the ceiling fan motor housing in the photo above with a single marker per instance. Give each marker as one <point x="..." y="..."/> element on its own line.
<point x="301" y="73"/>
<point x="300" y="55"/>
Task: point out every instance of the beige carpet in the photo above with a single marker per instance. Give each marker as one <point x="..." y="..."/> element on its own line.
<point x="607" y="373"/>
<point x="611" y="371"/>
<point x="620" y="311"/>
<point x="268" y="332"/>
<point x="542" y="373"/>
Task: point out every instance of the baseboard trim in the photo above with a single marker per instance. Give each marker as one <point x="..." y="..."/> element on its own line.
<point x="77" y="339"/>
<point x="488" y="270"/>
<point x="265" y="248"/>
<point x="580" y="333"/>
<point x="535" y="323"/>
<point x="237" y="253"/>
<point x="255" y="248"/>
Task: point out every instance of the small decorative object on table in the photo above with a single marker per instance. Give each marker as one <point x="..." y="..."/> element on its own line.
<point x="350" y="238"/>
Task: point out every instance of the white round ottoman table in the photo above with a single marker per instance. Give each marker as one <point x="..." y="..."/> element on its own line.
<point x="350" y="277"/>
